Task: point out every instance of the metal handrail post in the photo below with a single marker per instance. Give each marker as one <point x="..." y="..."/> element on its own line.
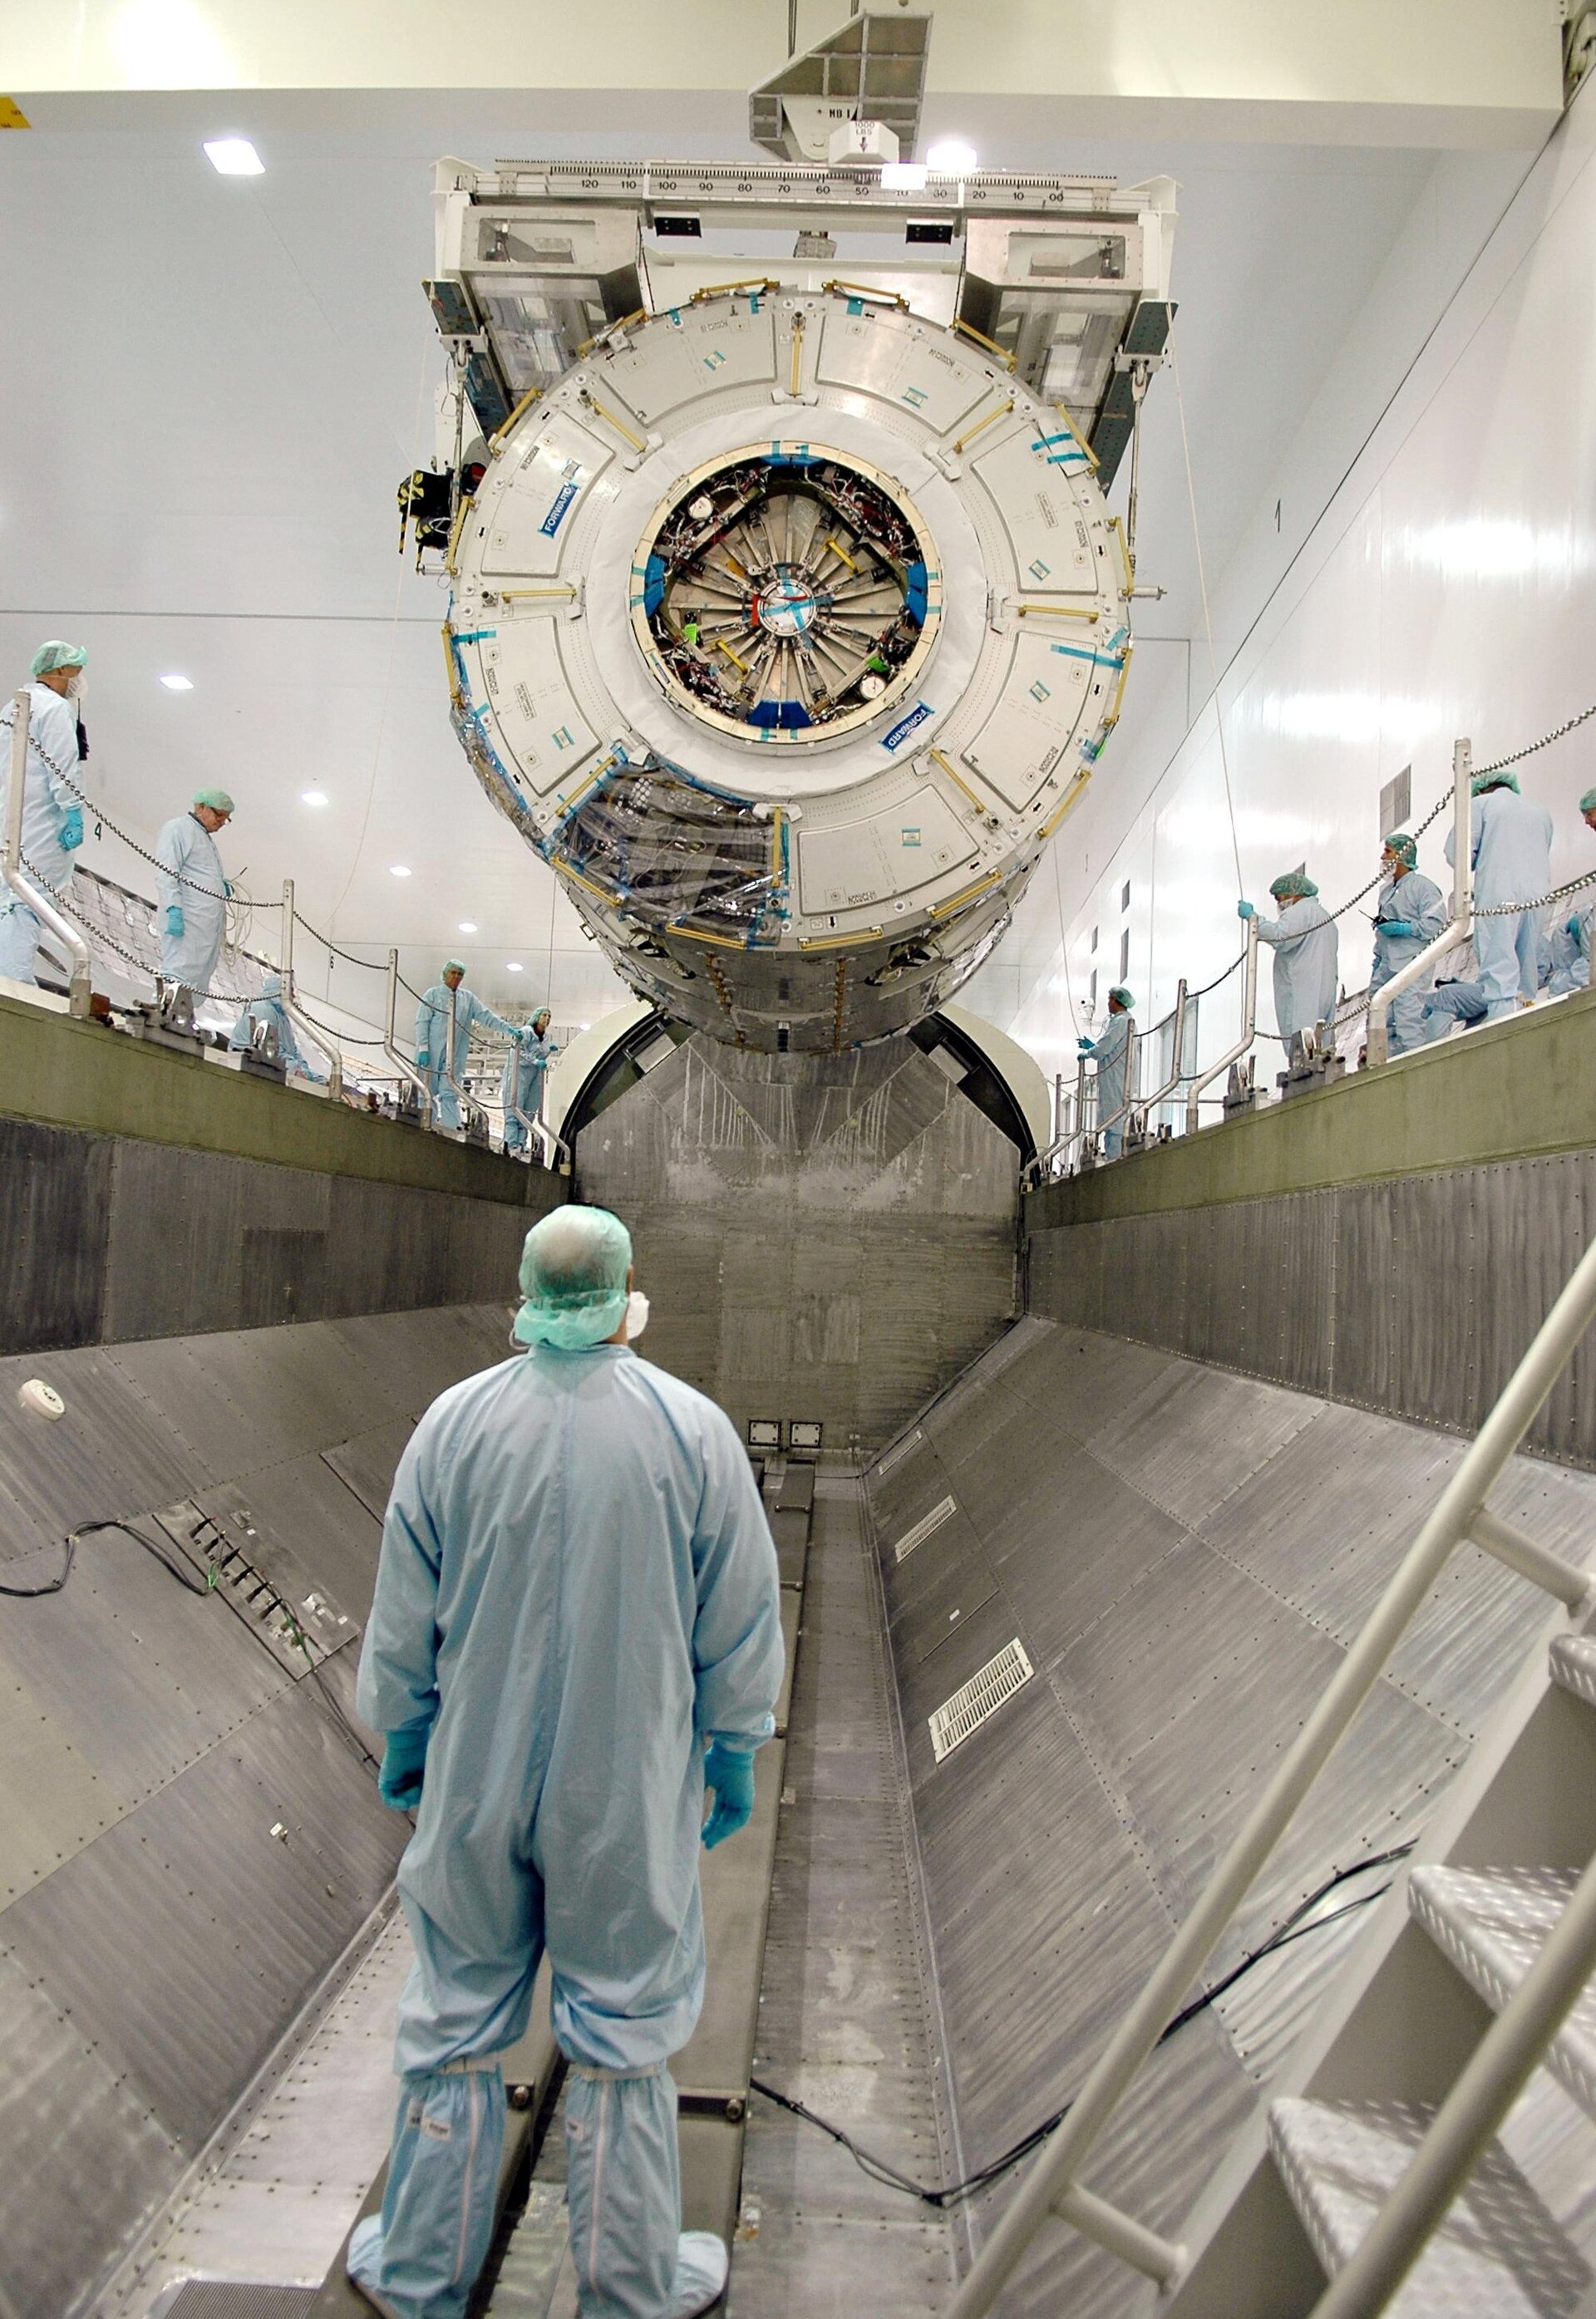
<point x="390" y="1047"/>
<point x="318" y="1037"/>
<point x="80" y="977"/>
<point x="1451" y="1521"/>
<point x="1063" y="1143"/>
<point x="1161" y="1094"/>
<point x="1249" y="1030"/>
<point x="1377" y="1040"/>
<point x="451" y="1045"/>
<point x="1497" y="2072"/>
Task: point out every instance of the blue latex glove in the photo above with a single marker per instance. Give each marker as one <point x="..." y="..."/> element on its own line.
<point x="1082" y="1046"/>
<point x="226" y="888"/>
<point x="175" y="921"/>
<point x="423" y="1060"/>
<point x="405" y="1760"/>
<point x="1401" y="927"/>
<point x="1573" y="926"/>
<point x="1245" y="910"/>
<point x="71" y="837"/>
<point x="729" y="1771"/>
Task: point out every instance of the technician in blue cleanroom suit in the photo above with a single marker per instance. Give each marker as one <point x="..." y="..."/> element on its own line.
<point x="52" y="817"/>
<point x="1306" y="951"/>
<point x="1511" y="851"/>
<point x="269" y="1008"/>
<point x="191" y="892"/>
<point x="1114" y="1054"/>
<point x="522" y="1085"/>
<point x="1408" y="917"/>
<point x="1569" y="959"/>
<point x="432" y="1037"/>
<point x="577" y="1596"/>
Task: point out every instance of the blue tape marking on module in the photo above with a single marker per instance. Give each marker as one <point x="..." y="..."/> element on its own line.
<point x="798" y="454"/>
<point x="906" y="725"/>
<point x="914" y="595"/>
<point x="1071" y="455"/>
<point x="856" y="305"/>
<point x="784" y="715"/>
<point x="654" y="585"/>
<point x="471" y="635"/>
<point x="1098" y="660"/>
<point x="561" y="508"/>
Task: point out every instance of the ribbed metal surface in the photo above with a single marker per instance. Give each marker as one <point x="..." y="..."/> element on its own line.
<point x="227" y="2298"/>
<point x="114" y="1451"/>
<point x="1415" y="1296"/>
<point x="365" y="1465"/>
<point x="1493" y="1925"/>
<point x="824" y="1237"/>
<point x="52" y="1252"/>
<point x="1185" y="1553"/>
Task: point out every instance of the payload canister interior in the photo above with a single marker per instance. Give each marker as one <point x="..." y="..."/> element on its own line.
<point x="788" y="615"/>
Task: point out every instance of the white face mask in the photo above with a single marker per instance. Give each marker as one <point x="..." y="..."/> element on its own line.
<point x="636" y="1315"/>
<point x="74" y="685"/>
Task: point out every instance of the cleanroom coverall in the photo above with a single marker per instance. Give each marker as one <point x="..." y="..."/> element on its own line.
<point x="1511" y="851"/>
<point x="577" y="1586"/>
<point x="432" y="1039"/>
<point x="47" y="803"/>
<point x="269" y="1008"/>
<point x="1306" y="953"/>
<point x="189" y="878"/>
<point x="522" y="1085"/>
<point x="1114" y="1056"/>
<point x="1416" y="901"/>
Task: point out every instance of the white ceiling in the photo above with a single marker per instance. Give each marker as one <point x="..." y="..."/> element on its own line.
<point x="217" y="385"/>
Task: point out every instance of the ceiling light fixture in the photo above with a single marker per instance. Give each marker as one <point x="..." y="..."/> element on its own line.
<point x="951" y="156"/>
<point x="234" y="157"/>
<point x="512" y="966"/>
<point x="904" y="177"/>
<point x="468" y="926"/>
<point x="398" y="870"/>
<point x="313" y="796"/>
<point x="174" y="683"/>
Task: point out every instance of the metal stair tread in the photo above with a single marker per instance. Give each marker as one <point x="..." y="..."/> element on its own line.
<point x="1498" y="2251"/>
<point x="1573" y="1659"/>
<point x="1491" y="1922"/>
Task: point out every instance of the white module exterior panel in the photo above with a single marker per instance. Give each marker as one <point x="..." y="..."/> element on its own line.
<point x="1041" y="707"/>
<point x="890" y="854"/>
<point x="692" y="351"/>
<point x="1029" y="473"/>
<point x="542" y="727"/>
<point x="920" y="371"/>
<point x="527" y="508"/>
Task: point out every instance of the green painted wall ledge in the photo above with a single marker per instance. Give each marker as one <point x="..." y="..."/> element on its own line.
<point x="72" y="1074"/>
<point x="1512" y="1091"/>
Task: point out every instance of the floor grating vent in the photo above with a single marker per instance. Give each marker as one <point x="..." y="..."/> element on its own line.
<point x="981" y="1697"/>
<point x="922" y="1529"/>
<point x="898" y="1450"/>
<point x="235" y="2298"/>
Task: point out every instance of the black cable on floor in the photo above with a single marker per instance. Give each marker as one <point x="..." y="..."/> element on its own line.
<point x="185" y="1577"/>
<point x="879" y="2169"/>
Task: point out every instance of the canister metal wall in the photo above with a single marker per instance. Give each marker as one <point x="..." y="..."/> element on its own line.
<point x="189" y="1836"/>
<point x="1415" y="1296"/>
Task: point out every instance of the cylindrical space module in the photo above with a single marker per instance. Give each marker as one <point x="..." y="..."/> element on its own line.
<point x="787" y="626"/>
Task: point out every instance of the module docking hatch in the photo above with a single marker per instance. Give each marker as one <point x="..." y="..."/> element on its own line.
<point x="788" y="618"/>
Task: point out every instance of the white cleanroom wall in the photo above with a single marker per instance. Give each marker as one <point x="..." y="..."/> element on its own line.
<point x="1446" y="588"/>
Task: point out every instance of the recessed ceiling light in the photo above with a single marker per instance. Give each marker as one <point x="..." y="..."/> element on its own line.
<point x="398" y="870"/>
<point x="951" y="156"/>
<point x="904" y="177"/>
<point x="584" y="1027"/>
<point x="512" y="966"/>
<point x="234" y="157"/>
<point x="313" y="796"/>
<point x="468" y="926"/>
<point x="174" y="683"/>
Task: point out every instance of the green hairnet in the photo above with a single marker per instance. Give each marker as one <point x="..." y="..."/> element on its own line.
<point x="1294" y="885"/>
<point x="56" y="654"/>
<point x="1404" y="847"/>
<point x="218" y="800"/>
<point x="1123" y="995"/>
<point x="454" y="966"/>
<point x="573" y="1278"/>
<point x="1494" y="782"/>
<point x="1588" y="802"/>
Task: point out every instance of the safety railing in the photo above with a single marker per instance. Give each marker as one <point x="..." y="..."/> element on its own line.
<point x="318" y="1036"/>
<point x="1052" y="2189"/>
<point x="30" y="892"/>
<point x="1462" y="923"/>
